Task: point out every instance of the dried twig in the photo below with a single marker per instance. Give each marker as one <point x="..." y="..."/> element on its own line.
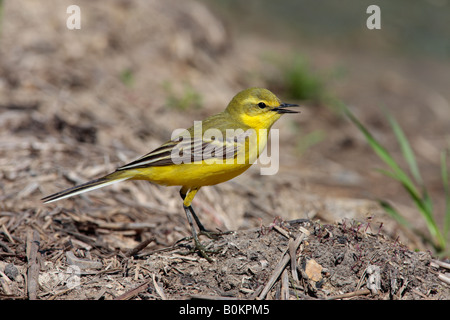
<point x="292" y="254"/>
<point x="436" y="263"/>
<point x="284" y="285"/>
<point x="441" y="264"/>
<point x="139" y="247"/>
<point x="281" y="231"/>
<point x="8" y="235"/>
<point x="33" y="265"/>
<point x="5" y="284"/>
<point x="5" y="247"/>
<point x="280" y="267"/>
<point x="444" y="278"/>
<point x="158" y="289"/>
<point x="207" y="297"/>
<point x="134" y="292"/>
<point x="356" y="293"/>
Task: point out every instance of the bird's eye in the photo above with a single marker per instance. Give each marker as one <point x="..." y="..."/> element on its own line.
<point x="262" y="105"/>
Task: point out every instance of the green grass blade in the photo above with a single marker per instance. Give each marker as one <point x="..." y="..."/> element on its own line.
<point x="382" y="153"/>
<point x="378" y="148"/>
<point x="402" y="221"/>
<point x="445" y="181"/>
<point x="425" y="208"/>
<point x="394" y="213"/>
<point x="422" y="201"/>
<point x="423" y="205"/>
<point x="405" y="147"/>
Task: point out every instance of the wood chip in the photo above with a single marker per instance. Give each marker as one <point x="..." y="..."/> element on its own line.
<point x="82" y="263"/>
<point x="374" y="278"/>
<point x="313" y="270"/>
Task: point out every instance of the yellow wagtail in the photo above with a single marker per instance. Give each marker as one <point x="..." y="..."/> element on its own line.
<point x="201" y="156"/>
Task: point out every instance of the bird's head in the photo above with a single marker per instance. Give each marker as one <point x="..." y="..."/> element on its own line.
<point x="257" y="108"/>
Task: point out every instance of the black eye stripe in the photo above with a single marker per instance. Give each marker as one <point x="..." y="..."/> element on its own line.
<point x="262" y="105"/>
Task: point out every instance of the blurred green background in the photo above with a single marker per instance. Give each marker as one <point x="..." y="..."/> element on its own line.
<point x="420" y="27"/>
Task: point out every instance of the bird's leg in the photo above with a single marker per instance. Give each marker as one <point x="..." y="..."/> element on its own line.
<point x="187" y="200"/>
<point x="192" y="193"/>
<point x="197" y="220"/>
<point x="201" y="248"/>
<point x="202" y="229"/>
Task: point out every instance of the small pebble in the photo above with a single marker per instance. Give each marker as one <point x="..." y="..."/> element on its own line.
<point x="11" y="271"/>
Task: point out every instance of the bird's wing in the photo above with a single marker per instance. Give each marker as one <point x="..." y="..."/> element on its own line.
<point x="187" y="149"/>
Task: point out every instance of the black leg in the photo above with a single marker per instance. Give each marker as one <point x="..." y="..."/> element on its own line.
<point x="197" y="220"/>
<point x="198" y="245"/>
<point x="187" y="195"/>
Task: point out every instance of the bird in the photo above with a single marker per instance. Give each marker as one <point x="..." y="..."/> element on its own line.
<point x="210" y="152"/>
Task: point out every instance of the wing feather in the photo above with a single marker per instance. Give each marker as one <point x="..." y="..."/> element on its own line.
<point x="179" y="151"/>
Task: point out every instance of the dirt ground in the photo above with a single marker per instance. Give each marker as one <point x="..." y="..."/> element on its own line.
<point x="77" y="104"/>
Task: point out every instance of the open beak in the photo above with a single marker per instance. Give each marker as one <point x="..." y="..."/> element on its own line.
<point x="281" y="108"/>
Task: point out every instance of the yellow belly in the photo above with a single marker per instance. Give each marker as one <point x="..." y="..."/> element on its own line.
<point x="190" y="174"/>
<point x="202" y="173"/>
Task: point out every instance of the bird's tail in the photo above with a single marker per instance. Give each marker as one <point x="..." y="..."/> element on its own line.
<point x="88" y="186"/>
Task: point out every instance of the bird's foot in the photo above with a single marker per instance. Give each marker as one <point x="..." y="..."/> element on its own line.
<point x="199" y="247"/>
<point x="215" y="235"/>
